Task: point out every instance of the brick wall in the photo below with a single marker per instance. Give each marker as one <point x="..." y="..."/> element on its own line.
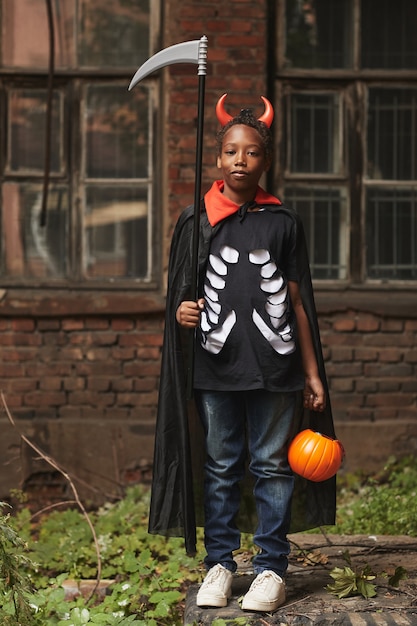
<point x="84" y="389"/>
<point x="372" y="366"/>
<point x="237" y="59"/>
<point x="371" y="363"/>
<point x="77" y="367"/>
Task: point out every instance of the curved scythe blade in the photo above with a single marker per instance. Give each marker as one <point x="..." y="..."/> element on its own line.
<point x="187" y="52"/>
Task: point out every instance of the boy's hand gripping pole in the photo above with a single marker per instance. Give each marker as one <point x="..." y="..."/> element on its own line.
<point x="187" y="52"/>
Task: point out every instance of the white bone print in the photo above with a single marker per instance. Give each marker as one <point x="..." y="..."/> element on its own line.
<point x="214" y="336"/>
<point x="278" y="333"/>
<point x="276" y="304"/>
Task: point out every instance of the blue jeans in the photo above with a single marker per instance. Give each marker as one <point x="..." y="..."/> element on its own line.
<point x="258" y="421"/>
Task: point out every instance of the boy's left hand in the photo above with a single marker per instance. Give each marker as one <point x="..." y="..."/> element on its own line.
<point x="314" y="395"/>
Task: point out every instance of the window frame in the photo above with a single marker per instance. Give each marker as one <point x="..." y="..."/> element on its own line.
<point x="73" y="84"/>
<point x="352" y="84"/>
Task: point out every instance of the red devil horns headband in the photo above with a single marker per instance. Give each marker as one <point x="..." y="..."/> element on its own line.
<point x="224" y="117"/>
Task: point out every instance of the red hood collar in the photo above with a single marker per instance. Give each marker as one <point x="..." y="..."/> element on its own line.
<point x="219" y="207"/>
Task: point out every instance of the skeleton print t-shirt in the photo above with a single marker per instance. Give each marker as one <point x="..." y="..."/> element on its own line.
<point x="247" y="336"/>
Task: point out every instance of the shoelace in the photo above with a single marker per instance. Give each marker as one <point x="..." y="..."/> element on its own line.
<point x="262" y="579"/>
<point x="212" y="577"/>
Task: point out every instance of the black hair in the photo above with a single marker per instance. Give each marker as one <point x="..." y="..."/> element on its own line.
<point x="247" y="118"/>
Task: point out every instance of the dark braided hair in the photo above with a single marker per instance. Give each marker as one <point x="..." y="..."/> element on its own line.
<point x="247" y="118"/>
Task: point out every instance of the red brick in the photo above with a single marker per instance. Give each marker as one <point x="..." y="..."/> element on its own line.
<point x="27" y="339"/>
<point x="11" y="371"/>
<point x="12" y="401"/>
<point x="55" y="339"/>
<point x="19" y="385"/>
<point x="144" y="384"/>
<point x="342" y="370"/>
<point x="97" y="354"/>
<point x="97" y="368"/>
<point x="95" y="383"/>
<point x="341" y="354"/>
<point x="97" y="323"/>
<point x="50" y="383"/>
<point x="385" y="414"/>
<point x="123" y="354"/>
<point x="338" y="401"/>
<point x="73" y="383"/>
<point x="341" y="384"/>
<point x="48" y="324"/>
<point x="45" y="398"/>
<point x="344" y="325"/>
<point x="365" y="385"/>
<point x="390" y="355"/>
<point x="365" y="354"/>
<point x="91" y="398"/>
<point x="382" y="370"/>
<point x="15" y="355"/>
<point x="388" y="385"/>
<point x="392" y="326"/>
<point x="71" y="354"/>
<point x="72" y="324"/>
<point x="147" y="354"/>
<point x="390" y="399"/>
<point x="410" y="356"/>
<point x="358" y="414"/>
<point x="386" y="340"/>
<point x="122" y="384"/>
<point x="141" y="369"/>
<point x="367" y="323"/>
<point x="23" y="325"/>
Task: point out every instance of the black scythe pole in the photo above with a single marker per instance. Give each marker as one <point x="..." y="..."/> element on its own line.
<point x="188" y="52"/>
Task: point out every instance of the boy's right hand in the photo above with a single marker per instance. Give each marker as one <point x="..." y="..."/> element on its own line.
<point x="188" y="313"/>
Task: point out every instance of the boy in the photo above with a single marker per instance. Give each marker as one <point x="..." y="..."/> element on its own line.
<point x="256" y="350"/>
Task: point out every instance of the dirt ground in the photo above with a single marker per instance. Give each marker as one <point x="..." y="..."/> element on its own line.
<point x="308" y="601"/>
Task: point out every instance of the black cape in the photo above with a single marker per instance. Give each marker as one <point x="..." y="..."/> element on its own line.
<point x="176" y="499"/>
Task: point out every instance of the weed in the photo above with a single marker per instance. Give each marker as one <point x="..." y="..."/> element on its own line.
<point x="383" y="504"/>
<point x="150" y="573"/>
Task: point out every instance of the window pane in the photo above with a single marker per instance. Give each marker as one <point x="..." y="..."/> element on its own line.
<point x="392" y="134"/>
<point x="323" y="213"/>
<point x="27" y="128"/>
<point x="25" y="35"/>
<point x="315" y="135"/>
<point x="391" y="233"/>
<point x="114" y="33"/>
<point x="29" y="249"/>
<point x="388" y="38"/>
<point x="319" y="34"/>
<point x="116" y="232"/>
<point x="117" y="133"/>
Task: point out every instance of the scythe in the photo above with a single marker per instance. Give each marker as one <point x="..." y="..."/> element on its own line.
<point x="187" y="52"/>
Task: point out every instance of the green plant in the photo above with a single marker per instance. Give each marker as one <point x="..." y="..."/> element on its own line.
<point x="348" y="582"/>
<point x="381" y="504"/>
<point x="150" y="573"/>
<point x="14" y="583"/>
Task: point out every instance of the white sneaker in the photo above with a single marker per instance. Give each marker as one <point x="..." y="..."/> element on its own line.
<point x="216" y="588"/>
<point x="266" y="593"/>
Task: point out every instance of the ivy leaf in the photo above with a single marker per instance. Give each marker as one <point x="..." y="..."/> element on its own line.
<point x="349" y="583"/>
<point x="365" y="588"/>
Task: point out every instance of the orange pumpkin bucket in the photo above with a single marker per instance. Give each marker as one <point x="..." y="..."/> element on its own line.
<point x="315" y="456"/>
